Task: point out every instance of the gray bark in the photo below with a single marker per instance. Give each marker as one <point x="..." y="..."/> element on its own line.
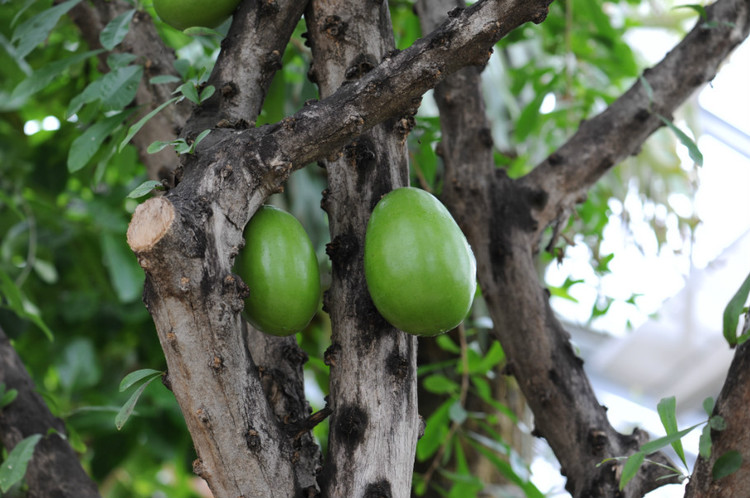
<point x="373" y="389"/>
<point x="54" y="470"/>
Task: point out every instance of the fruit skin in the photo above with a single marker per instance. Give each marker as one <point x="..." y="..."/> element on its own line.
<point x="420" y="270"/>
<point x="183" y="14"/>
<point x="279" y="266"/>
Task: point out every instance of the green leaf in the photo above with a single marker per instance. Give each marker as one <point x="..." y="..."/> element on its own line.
<point x="494" y="356"/>
<point x="440" y="384"/>
<point x="667" y="408"/>
<point x="127" y="409"/>
<point x="137" y="126"/>
<point x="114" y="32"/>
<point x="8" y="397"/>
<point x="630" y="469"/>
<point x="445" y="343"/>
<point x="700" y="9"/>
<point x="726" y="464"/>
<point x="457" y="413"/>
<point x="134" y="377"/>
<point x="159" y="145"/>
<point x="164" y="78"/>
<point x="189" y="91"/>
<point x="85" y="146"/>
<point x="733" y="311"/>
<point x="529" y="117"/>
<point x="144" y="188"/>
<point x="14" y="467"/>
<point x="661" y="442"/>
<point x="202" y="31"/>
<point x="35" y="30"/>
<point x="117" y="60"/>
<point x="435" y="431"/>
<point x="198" y="140"/>
<point x="692" y="147"/>
<point x="704" y="443"/>
<point x="118" y="87"/>
<point x="207" y="92"/>
<point x="47" y="74"/>
<point x="11" y="296"/>
<point x="708" y="405"/>
<point x="717" y="423"/>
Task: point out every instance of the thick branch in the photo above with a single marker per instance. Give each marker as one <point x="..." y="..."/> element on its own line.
<point x="54" y="470"/>
<point x="251" y="56"/>
<point x="374" y="423"/>
<point x="604" y="141"/>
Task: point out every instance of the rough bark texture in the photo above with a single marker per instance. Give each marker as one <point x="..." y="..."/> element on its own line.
<point x="54" y="471"/>
<point x="503" y="220"/>
<point x="732" y="406"/>
<point x="373" y="390"/>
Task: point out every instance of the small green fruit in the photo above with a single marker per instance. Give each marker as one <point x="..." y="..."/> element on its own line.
<point x="183" y="14"/>
<point x="420" y="270"/>
<point x="279" y="266"/>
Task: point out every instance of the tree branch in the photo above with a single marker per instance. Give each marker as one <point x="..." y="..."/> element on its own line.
<point x="373" y="390"/>
<point x="54" y="470"/>
<point x="605" y="140"/>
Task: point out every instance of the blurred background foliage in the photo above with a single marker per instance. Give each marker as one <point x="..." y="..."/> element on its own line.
<point x="66" y="269"/>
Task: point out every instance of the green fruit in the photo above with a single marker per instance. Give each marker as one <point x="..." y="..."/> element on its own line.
<point x="419" y="268"/>
<point x="183" y="14"/>
<point x="279" y="266"/>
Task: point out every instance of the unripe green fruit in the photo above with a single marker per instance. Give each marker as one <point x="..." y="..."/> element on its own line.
<point x="279" y="266"/>
<point x="183" y="14"/>
<point x="420" y="270"/>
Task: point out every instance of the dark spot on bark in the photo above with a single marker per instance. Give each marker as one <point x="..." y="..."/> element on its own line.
<point x="334" y="27"/>
<point x="379" y="489"/>
<point x="311" y="74"/>
<point x="597" y="440"/>
<point x="350" y="425"/>
<point x="441" y="40"/>
<point x="391" y="54"/>
<point x="228" y="90"/>
<point x="343" y="251"/>
<point x="166" y="380"/>
<point x="537" y="198"/>
<point x="361" y="155"/>
<point x="556" y="159"/>
<point x="306" y="37"/>
<point x="536" y="432"/>
<point x="217" y="363"/>
<point x="252" y="438"/>
<point x="199" y="469"/>
<point x="485" y="137"/>
<point x="310" y="102"/>
<point x="455" y="12"/>
<point x="642" y="115"/>
<point x="327" y="301"/>
<point x="269" y="8"/>
<point x="362" y="64"/>
<point x="404" y="126"/>
<point x="397" y="364"/>
<point x="511" y="206"/>
<point x="331" y="355"/>
<point x="422" y="426"/>
<point x="294" y="354"/>
<point x="272" y="61"/>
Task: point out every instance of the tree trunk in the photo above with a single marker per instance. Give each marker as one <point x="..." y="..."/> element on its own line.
<point x="54" y="469"/>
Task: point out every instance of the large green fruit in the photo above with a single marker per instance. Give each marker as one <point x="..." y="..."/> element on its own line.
<point x="420" y="270"/>
<point x="279" y="266"/>
<point x="183" y="14"/>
